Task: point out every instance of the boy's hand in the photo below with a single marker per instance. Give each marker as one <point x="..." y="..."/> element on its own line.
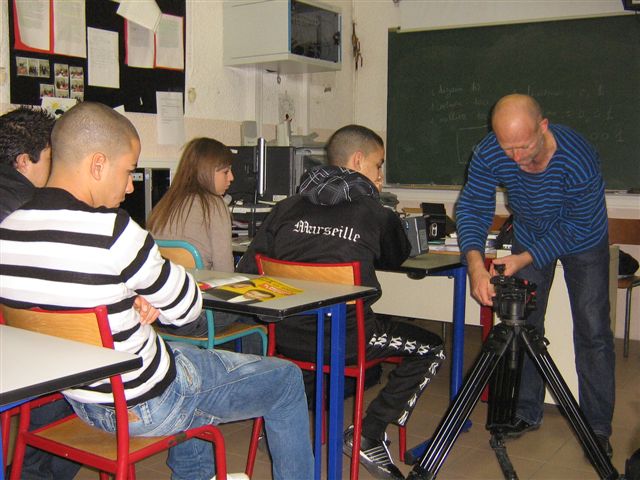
<point x="148" y="313"/>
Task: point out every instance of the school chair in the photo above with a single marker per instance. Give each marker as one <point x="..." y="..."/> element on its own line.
<point x="184" y="253"/>
<point x="5" y="420"/>
<point x="339" y="273"/>
<point x="626" y="231"/>
<point x="628" y="284"/>
<point x="74" y="439"/>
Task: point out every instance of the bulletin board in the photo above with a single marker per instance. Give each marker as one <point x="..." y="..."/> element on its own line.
<point x="138" y="86"/>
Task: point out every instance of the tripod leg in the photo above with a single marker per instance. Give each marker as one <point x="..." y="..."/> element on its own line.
<point x="504" y="387"/>
<point x="459" y="411"/>
<point x="537" y="349"/>
<point x="497" y="443"/>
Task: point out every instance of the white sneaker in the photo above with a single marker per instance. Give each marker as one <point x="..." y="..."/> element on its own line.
<point x="235" y="476"/>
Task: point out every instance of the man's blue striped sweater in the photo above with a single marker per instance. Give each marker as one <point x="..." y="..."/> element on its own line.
<point x="558" y="211"/>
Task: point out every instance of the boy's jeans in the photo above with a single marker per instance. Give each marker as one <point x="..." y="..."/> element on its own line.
<point x="217" y="386"/>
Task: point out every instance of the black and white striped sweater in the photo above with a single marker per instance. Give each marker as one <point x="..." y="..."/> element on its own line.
<point x="57" y="253"/>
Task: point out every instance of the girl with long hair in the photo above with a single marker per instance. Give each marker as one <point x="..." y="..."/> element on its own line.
<point x="193" y="209"/>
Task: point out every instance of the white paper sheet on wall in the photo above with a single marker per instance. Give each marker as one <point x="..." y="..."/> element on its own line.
<point x="103" y="68"/>
<point x="69" y="28"/>
<point x="57" y="106"/>
<point x="169" y="43"/>
<point x="143" y="12"/>
<point x="140" y="46"/>
<point x="33" y="23"/>
<point x="170" y="118"/>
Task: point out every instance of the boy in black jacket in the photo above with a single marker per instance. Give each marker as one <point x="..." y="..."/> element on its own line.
<point x="25" y="161"/>
<point x="337" y="217"/>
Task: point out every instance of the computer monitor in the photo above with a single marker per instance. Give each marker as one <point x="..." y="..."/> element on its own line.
<point x="278" y="172"/>
<point x="284" y="168"/>
<point x="305" y="159"/>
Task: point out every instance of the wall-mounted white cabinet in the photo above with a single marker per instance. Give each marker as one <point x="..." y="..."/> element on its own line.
<point x="285" y="36"/>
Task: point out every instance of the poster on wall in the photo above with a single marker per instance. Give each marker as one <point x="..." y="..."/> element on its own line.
<point x="103" y="68"/>
<point x="35" y="20"/>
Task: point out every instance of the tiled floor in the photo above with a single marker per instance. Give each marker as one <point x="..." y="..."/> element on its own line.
<point x="552" y="452"/>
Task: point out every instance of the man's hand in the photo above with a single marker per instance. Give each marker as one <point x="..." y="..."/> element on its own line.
<point x="512" y="263"/>
<point x="148" y="313"/>
<point x="479" y="278"/>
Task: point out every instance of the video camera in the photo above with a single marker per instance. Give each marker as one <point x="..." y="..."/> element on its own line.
<point x="515" y="297"/>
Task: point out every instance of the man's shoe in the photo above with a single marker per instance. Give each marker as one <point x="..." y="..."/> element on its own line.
<point x="519" y="428"/>
<point x="606" y="445"/>
<point x="374" y="456"/>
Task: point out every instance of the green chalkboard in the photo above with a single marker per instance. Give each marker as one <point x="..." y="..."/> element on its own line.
<point x="442" y="83"/>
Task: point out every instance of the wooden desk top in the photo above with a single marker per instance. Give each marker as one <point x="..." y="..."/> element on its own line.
<point x="313" y="295"/>
<point x="426" y="263"/>
<point x="33" y="364"/>
<point x="429" y="263"/>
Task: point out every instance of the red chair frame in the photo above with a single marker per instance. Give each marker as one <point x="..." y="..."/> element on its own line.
<point x="129" y="450"/>
<point x="5" y="417"/>
<point x="269" y="266"/>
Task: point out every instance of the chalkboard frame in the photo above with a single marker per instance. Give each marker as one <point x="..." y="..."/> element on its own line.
<point x="415" y="156"/>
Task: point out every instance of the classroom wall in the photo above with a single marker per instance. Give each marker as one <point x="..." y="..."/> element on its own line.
<point x="374" y="19"/>
<point x="226" y="96"/>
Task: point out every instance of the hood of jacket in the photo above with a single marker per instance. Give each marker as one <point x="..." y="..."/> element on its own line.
<point x="332" y="185"/>
<point x="15" y="190"/>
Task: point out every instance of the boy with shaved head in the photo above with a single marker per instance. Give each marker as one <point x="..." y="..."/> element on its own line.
<point x="338" y="217"/>
<point x="556" y="194"/>
<point x="72" y="247"/>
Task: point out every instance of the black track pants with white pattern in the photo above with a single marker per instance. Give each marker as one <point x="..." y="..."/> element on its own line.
<point x="423" y="354"/>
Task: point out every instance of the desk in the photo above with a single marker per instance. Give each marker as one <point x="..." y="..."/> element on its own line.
<point x="48" y="364"/>
<point x="420" y="266"/>
<point x="324" y="298"/>
<point x="405" y="302"/>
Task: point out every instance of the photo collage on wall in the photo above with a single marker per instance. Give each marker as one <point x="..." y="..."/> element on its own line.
<point x="68" y="81"/>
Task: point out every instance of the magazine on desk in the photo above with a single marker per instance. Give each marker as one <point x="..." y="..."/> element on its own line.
<point x="240" y="289"/>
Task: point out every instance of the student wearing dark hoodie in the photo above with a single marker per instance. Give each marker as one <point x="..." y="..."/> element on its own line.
<point x="25" y="161"/>
<point x="337" y="217"/>
<point x="25" y="156"/>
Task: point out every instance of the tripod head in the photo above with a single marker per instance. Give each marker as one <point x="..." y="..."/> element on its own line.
<point x="515" y="297"/>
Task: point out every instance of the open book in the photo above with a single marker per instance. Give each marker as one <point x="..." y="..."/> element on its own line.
<point x="239" y="289"/>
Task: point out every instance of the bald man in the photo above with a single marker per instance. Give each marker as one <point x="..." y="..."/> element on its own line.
<point x="556" y="194"/>
<point x="83" y="251"/>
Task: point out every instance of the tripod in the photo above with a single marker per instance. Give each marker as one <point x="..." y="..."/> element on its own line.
<point x="501" y="362"/>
